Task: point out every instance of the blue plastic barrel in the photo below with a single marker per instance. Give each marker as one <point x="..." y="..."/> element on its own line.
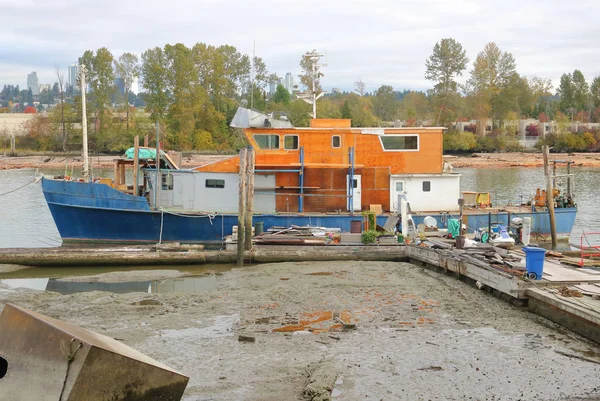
<point x="534" y="261"/>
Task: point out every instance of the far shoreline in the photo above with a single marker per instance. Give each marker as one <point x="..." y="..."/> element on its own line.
<point x="475" y="160"/>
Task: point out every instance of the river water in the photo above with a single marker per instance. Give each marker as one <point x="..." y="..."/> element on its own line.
<point x="25" y="219"/>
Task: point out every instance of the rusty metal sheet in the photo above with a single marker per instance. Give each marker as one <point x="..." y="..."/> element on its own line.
<point x="47" y="359"/>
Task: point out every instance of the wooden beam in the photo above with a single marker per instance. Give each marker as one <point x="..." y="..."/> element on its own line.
<point x="249" y="198"/>
<point x="116" y="176"/>
<point x="550" y="196"/>
<point x="242" y="207"/>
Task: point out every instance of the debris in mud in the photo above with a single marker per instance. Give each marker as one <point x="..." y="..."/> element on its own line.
<point x="246" y="339"/>
<point x="567" y="292"/>
<point x="320" y="381"/>
<point x="147" y="302"/>
<point x="432" y="368"/>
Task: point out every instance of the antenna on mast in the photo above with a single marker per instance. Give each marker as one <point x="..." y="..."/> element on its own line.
<point x="311" y="96"/>
<point x="252" y="76"/>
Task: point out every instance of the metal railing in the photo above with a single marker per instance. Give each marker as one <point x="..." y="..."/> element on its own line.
<point x="588" y="249"/>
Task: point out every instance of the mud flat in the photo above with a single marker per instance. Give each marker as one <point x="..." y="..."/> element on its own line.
<point x="346" y="329"/>
<point x="516" y="159"/>
<point x="97" y="162"/>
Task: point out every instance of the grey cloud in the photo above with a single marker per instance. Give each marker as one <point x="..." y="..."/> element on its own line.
<point x="383" y="42"/>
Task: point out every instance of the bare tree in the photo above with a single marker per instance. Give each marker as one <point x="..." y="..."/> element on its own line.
<point x="359" y="87"/>
<point x="60" y="76"/>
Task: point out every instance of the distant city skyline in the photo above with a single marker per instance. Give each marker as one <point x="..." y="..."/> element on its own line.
<point x="383" y="43"/>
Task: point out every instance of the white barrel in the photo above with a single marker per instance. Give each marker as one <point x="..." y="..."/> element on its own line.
<point x="526" y="232"/>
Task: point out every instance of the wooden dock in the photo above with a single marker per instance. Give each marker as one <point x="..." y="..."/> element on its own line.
<point x="566" y="295"/>
<point x="173" y="255"/>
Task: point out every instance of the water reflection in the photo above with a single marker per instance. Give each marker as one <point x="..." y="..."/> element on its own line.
<point x="188" y="284"/>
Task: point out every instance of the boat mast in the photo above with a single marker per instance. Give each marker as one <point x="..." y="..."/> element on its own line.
<point x="86" y="171"/>
<point x="312" y="96"/>
<point x="158" y="178"/>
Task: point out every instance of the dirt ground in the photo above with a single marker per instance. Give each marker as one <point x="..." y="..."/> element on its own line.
<point x="97" y="162"/>
<point x="475" y="160"/>
<point x="337" y="330"/>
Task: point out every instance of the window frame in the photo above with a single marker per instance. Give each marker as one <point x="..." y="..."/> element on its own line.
<point x="216" y="181"/>
<point x="261" y="148"/>
<point x="400" y="135"/>
<point x="340" y="143"/>
<point x="166" y="182"/>
<point x="297" y="141"/>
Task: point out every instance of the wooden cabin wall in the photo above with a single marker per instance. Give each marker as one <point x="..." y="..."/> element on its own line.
<point x="375" y="187"/>
<point x="428" y="160"/>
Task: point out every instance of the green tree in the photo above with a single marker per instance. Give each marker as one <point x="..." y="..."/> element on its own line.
<point x="281" y="95"/>
<point x="345" y="110"/>
<point x="384" y="103"/>
<point x="127" y="68"/>
<point x="445" y="64"/>
<point x="581" y="91"/>
<point x="566" y="91"/>
<point x="494" y="71"/>
<point x="595" y="92"/>
<point x="154" y="81"/>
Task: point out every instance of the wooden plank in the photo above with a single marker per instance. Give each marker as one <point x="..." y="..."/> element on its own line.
<point x="589" y="289"/>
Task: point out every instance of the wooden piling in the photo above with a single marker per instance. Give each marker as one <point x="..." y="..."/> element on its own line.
<point x="136" y="164"/>
<point x="146" y="140"/>
<point x="549" y="196"/>
<point x="242" y="207"/>
<point x="249" y="198"/>
<point x="117" y="177"/>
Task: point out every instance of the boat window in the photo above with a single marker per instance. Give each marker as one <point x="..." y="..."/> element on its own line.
<point x="267" y="141"/>
<point x="399" y="186"/>
<point x="399" y="142"/>
<point x="336" y="141"/>
<point x="167" y="182"/>
<point x="426" y="186"/>
<point x="210" y="183"/>
<point x="290" y="142"/>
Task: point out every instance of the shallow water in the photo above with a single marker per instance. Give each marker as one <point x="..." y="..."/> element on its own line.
<point x="25" y="219"/>
<point x="188" y="284"/>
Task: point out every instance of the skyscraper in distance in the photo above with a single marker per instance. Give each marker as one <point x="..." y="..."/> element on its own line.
<point x="33" y="83"/>
<point x="289" y="82"/>
<point x="72" y="80"/>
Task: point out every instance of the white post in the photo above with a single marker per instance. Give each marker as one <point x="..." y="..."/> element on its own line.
<point x="404" y="216"/>
<point x="86" y="170"/>
<point x="314" y="89"/>
<point x="526" y="233"/>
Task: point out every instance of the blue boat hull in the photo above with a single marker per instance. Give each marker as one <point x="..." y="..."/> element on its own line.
<point x="93" y="212"/>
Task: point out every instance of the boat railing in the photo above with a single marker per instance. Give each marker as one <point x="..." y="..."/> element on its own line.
<point x="589" y="250"/>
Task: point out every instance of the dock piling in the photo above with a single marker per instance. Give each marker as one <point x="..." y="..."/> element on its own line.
<point x="249" y="198"/>
<point x="242" y="207"/>
<point x="549" y="196"/>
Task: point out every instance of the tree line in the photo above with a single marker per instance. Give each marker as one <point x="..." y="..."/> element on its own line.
<point x="193" y="93"/>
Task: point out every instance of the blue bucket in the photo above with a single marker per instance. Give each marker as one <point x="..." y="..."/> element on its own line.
<point x="534" y="261"/>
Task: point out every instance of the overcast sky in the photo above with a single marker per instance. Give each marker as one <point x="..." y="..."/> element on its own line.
<point x="379" y="41"/>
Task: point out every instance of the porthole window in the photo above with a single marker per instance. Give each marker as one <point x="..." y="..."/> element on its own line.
<point x="336" y="141"/>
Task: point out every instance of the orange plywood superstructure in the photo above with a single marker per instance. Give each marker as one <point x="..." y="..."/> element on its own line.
<point x="327" y="148"/>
